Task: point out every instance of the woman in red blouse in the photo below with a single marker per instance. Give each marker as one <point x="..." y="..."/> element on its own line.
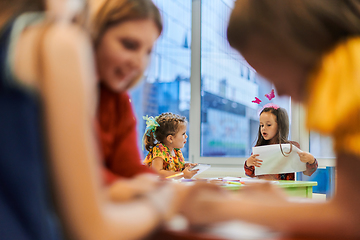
<point x="124" y="33"/>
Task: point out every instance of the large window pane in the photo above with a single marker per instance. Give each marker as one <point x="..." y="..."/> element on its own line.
<point x="229" y="119"/>
<point x="166" y="87"/>
<point x="321" y="146"/>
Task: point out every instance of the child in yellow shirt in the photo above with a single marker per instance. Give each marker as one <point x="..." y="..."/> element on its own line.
<point x="164" y="136"/>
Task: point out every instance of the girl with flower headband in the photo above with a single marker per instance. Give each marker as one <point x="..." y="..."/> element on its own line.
<point x="310" y="50"/>
<point x="274" y="129"/>
<point x="163" y="138"/>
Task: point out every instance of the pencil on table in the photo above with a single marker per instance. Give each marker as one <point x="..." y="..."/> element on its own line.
<point x="235" y="183"/>
<point x="175" y="175"/>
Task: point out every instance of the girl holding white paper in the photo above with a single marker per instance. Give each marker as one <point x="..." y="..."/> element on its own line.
<point x="310" y="50"/>
<point x="274" y="129"/>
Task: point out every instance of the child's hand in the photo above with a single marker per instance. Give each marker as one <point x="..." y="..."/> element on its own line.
<point x="189" y="173"/>
<point x="253" y="161"/>
<point x="191" y="165"/>
<point x="306" y="157"/>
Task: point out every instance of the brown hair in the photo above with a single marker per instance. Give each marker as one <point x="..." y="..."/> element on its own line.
<point x="113" y="12"/>
<point x="301" y="30"/>
<point x="10" y="8"/>
<point x="282" y="120"/>
<point x="168" y="125"/>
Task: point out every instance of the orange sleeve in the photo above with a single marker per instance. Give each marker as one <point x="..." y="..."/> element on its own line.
<point x="249" y="171"/>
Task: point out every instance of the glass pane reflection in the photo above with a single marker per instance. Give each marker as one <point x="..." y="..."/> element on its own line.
<point x="166" y="87"/>
<point x="229" y="119"/>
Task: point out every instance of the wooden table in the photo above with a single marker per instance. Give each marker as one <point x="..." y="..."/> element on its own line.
<point x="293" y="188"/>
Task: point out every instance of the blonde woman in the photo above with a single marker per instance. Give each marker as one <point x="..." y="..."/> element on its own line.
<point x="51" y="59"/>
<point x="124" y="33"/>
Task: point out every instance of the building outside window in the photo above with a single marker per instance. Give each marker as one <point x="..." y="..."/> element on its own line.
<point x="227" y="120"/>
<point x="166" y="84"/>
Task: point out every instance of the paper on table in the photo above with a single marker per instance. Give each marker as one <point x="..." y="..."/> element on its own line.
<point x="274" y="162"/>
<point x="246" y="180"/>
<point x="202" y="167"/>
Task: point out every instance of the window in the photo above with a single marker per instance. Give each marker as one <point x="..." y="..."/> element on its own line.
<point x="321" y="146"/>
<point x="229" y="118"/>
<point x="195" y="73"/>
<point x="166" y="87"/>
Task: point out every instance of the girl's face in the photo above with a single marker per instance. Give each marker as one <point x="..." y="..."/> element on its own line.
<point x="124" y="51"/>
<point x="180" y="137"/>
<point x="268" y="125"/>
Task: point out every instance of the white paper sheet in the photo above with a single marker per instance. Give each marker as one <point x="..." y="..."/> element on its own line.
<point x="202" y="167"/>
<point x="274" y="162"/>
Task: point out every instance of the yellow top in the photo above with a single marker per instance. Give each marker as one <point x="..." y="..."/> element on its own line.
<point x="333" y="101"/>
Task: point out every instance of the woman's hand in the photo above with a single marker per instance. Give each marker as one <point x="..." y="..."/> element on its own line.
<point x="128" y="189"/>
<point x="253" y="161"/>
<point x="189" y="173"/>
<point x="167" y="198"/>
<point x="204" y="203"/>
<point x="306" y="157"/>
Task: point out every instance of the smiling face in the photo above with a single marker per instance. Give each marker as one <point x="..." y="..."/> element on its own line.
<point x="268" y="125"/>
<point x="124" y="51"/>
<point x="179" y="139"/>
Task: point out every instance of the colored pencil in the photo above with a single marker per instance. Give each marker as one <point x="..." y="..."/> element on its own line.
<point x="175" y="175"/>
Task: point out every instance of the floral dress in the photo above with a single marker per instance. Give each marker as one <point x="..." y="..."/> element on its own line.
<point x="172" y="163"/>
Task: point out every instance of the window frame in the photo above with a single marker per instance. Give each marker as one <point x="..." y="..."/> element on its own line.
<point x="195" y="100"/>
<point x="299" y="131"/>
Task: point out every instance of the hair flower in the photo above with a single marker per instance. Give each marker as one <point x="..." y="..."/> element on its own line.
<point x="151" y="124"/>
<point x="269" y="105"/>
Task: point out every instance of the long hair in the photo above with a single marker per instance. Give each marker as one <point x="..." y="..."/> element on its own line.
<point x="301" y="30"/>
<point x="169" y="124"/>
<point x="282" y="120"/>
<point x="112" y="12"/>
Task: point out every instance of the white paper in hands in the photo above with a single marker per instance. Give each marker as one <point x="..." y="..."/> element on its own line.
<point x="202" y="167"/>
<point x="274" y="162"/>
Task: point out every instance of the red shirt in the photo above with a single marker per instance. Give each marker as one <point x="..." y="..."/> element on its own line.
<point x="118" y="136"/>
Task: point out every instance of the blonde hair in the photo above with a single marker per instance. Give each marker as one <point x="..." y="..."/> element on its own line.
<point x="109" y="13"/>
<point x="113" y="12"/>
